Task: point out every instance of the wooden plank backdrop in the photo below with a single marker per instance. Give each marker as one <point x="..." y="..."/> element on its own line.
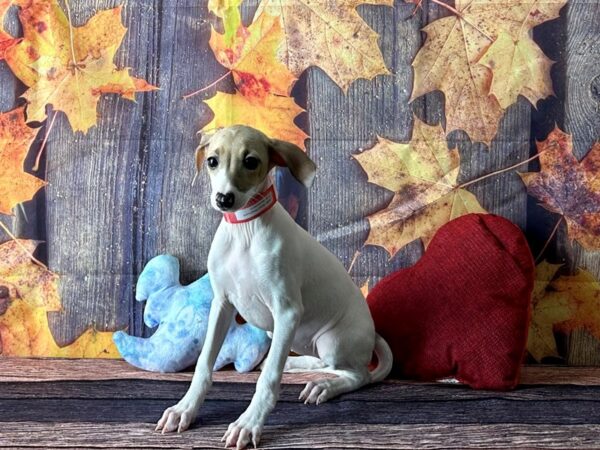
<point x="122" y="194"/>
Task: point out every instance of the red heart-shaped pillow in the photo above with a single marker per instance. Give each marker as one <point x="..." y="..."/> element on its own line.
<point x="463" y="310"/>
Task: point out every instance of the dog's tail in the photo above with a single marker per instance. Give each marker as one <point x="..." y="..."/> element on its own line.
<point x="385" y="360"/>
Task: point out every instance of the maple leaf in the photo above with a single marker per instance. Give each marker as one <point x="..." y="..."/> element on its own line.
<point x="6" y="40"/>
<point x="33" y="292"/>
<point x="519" y="68"/>
<point x="25" y="332"/>
<point x="450" y="60"/>
<point x="69" y="67"/>
<point x="331" y="35"/>
<point x="16" y="137"/>
<point x="364" y="289"/>
<point x="423" y="176"/>
<point x="273" y="115"/>
<point x="583" y="292"/>
<point x="568" y="187"/>
<point x="252" y="58"/>
<point x="24" y="279"/>
<point x="229" y="11"/>
<point x="548" y="308"/>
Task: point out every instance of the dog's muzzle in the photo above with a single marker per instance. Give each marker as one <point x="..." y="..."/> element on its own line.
<point x="225" y="201"/>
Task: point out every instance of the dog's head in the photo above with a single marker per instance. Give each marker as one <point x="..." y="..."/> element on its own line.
<point x="238" y="160"/>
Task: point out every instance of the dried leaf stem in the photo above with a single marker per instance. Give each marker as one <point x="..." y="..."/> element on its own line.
<point x="71" y="36"/>
<point x="36" y="167"/>
<point x="14" y="238"/>
<point x="506" y="169"/>
<point x="554" y="230"/>
<point x="185" y="97"/>
<point x="462" y="17"/>
<point x="356" y="255"/>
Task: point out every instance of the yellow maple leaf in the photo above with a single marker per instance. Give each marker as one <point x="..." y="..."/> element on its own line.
<point x="24" y="279"/>
<point x="24" y="332"/>
<point x="253" y="58"/>
<point x="561" y="304"/>
<point x="33" y="292"/>
<point x="16" y="137"/>
<point x="69" y="67"/>
<point x="583" y="292"/>
<point x="229" y="11"/>
<point x="423" y="176"/>
<point x="449" y="60"/>
<point x="519" y="68"/>
<point x="330" y="35"/>
<point x="548" y="308"/>
<point x="273" y="115"/>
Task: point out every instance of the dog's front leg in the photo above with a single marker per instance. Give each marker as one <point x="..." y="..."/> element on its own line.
<point x="249" y="426"/>
<point x="180" y="416"/>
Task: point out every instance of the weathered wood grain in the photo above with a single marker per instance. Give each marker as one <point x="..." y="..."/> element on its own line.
<point x="49" y="369"/>
<point x="341" y="410"/>
<point x="243" y="391"/>
<point x="502" y="194"/>
<point x="340" y="125"/>
<point x="175" y="217"/>
<point x="121" y="413"/>
<point x="582" y="120"/>
<point x="92" y="194"/>
<point x="350" y="435"/>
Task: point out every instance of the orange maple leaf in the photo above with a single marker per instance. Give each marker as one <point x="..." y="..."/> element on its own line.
<point x="272" y="114"/>
<point x="330" y="35"/>
<point x="569" y="187"/>
<point x="16" y="137"/>
<point x="423" y="177"/>
<point x="27" y="293"/>
<point x="253" y="57"/>
<point x="6" y="40"/>
<point x="453" y="60"/>
<point x="69" y="67"/>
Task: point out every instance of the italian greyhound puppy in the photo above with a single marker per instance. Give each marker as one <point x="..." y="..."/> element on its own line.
<point x="280" y="279"/>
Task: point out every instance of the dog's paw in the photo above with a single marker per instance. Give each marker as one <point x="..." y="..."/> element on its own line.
<point x="243" y="431"/>
<point x="178" y="417"/>
<point x="316" y="392"/>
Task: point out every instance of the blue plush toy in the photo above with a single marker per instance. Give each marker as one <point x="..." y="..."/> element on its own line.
<point x="181" y="313"/>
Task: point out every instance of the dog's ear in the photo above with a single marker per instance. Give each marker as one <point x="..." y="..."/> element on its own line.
<point x="204" y="141"/>
<point x="286" y="154"/>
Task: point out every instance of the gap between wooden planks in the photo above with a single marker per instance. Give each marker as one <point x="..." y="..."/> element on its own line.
<point x="48" y="369"/>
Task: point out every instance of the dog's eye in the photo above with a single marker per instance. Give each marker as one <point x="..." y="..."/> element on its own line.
<point x="251" y="163"/>
<point x="212" y="162"/>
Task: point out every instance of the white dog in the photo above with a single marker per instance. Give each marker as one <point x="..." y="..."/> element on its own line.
<point x="280" y="279"/>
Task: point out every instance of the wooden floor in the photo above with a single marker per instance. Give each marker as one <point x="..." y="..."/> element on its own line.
<point x="108" y="404"/>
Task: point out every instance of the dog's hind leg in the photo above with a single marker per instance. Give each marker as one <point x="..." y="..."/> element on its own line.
<point x="326" y="388"/>
<point x="346" y="353"/>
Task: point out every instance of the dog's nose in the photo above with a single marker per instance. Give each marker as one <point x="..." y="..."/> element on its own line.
<point x="225" y="201"/>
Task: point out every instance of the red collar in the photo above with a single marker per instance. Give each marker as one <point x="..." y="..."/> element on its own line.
<point x="256" y="206"/>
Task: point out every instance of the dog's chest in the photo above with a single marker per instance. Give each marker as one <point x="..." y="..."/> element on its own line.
<point x="234" y="272"/>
